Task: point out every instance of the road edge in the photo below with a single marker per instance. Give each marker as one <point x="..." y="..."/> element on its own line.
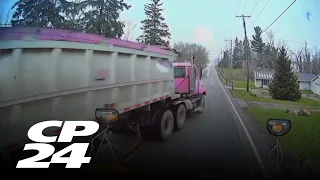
<point x="244" y="128"/>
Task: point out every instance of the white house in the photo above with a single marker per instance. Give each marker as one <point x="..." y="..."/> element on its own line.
<point x="315" y="85"/>
<point x="306" y="81"/>
<point x="262" y="78"/>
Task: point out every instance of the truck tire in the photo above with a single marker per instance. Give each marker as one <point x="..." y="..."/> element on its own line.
<point x="202" y="104"/>
<point x="180" y="115"/>
<point x="164" y="125"/>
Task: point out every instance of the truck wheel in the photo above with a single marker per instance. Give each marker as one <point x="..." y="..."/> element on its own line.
<point x="180" y="114"/>
<point x="202" y="104"/>
<point x="164" y="125"/>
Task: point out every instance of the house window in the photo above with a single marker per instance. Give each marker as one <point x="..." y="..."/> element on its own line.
<point x="265" y="82"/>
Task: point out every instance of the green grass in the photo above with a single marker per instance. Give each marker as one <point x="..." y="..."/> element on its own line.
<point x="303" y="139"/>
<point x="237" y="74"/>
<point x="243" y="84"/>
<point x="243" y="94"/>
<point x="306" y="91"/>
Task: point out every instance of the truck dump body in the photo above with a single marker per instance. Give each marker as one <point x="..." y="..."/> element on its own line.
<point x="50" y="74"/>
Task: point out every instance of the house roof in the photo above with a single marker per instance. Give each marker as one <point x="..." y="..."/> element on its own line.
<point x="263" y="74"/>
<point x="269" y="75"/>
<point x="315" y="77"/>
<point x="306" y="77"/>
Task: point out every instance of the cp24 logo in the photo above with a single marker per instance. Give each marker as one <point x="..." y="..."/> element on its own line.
<point x="78" y="150"/>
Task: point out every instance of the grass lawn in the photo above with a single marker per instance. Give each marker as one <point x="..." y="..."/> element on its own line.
<point x="243" y="94"/>
<point x="238" y="74"/>
<point x="306" y="91"/>
<point x="243" y="84"/>
<point x="304" y="137"/>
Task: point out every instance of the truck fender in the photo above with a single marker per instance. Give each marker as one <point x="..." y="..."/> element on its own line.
<point x="188" y="104"/>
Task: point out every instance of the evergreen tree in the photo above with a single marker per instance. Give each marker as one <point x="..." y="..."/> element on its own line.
<point x="225" y="59"/>
<point x="237" y="53"/>
<point x="235" y="50"/>
<point x="246" y="49"/>
<point x="74" y="14"/>
<point x="270" y="55"/>
<point x="257" y="45"/>
<point x="241" y="48"/>
<point x="103" y="15"/>
<point x="155" y="30"/>
<point x="38" y="13"/>
<point x="284" y="85"/>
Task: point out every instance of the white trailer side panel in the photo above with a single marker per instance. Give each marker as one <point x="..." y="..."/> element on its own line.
<point x="44" y="80"/>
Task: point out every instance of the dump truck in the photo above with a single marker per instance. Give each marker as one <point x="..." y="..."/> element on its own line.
<point x="55" y="74"/>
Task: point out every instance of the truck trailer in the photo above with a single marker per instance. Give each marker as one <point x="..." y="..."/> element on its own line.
<point x="55" y="74"/>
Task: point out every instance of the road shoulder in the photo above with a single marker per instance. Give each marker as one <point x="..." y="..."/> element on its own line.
<point x="263" y="140"/>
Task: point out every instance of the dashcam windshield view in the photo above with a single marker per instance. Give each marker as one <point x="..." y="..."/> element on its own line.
<point x="163" y="88"/>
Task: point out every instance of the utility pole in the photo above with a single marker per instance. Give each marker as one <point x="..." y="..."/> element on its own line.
<point x="246" y="37"/>
<point x="231" y="60"/>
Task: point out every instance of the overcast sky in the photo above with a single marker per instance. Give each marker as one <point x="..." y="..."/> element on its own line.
<point x="210" y="22"/>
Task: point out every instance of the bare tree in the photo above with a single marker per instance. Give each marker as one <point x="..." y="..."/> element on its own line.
<point x="5" y="18"/>
<point x="187" y="50"/>
<point x="128" y="31"/>
<point x="282" y="43"/>
<point x="298" y="58"/>
<point x="307" y="59"/>
<point x="270" y="35"/>
<point x="270" y="51"/>
<point x="316" y="62"/>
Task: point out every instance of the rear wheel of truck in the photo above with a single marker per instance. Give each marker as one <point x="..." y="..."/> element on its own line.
<point x="164" y="125"/>
<point x="180" y="114"/>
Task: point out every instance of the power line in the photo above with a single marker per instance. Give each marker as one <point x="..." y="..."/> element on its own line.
<point x="260" y="12"/>
<point x="238" y="7"/>
<point x="279" y="16"/>
<point x="293" y="41"/>
<point x="245" y="6"/>
<point x="290" y="41"/>
<point x="297" y="42"/>
<point x="254" y="7"/>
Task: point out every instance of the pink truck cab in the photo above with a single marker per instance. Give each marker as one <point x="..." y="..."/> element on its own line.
<point x="187" y="82"/>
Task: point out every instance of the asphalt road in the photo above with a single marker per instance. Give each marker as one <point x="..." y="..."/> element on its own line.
<point x="211" y="144"/>
<point x="219" y="142"/>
